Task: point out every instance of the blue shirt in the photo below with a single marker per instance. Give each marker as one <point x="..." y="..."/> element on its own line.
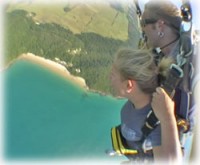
<point x="132" y="121"/>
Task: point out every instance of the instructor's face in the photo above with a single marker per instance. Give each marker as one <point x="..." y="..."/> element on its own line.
<point x="149" y="28"/>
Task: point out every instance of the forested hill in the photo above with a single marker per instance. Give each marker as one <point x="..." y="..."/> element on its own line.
<point x="85" y="48"/>
<point x="104" y="19"/>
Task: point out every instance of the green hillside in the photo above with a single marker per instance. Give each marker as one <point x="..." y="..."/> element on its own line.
<point x="63" y="31"/>
<point x="88" y="17"/>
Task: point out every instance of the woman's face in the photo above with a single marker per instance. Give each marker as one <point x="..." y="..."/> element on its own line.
<point x="117" y="83"/>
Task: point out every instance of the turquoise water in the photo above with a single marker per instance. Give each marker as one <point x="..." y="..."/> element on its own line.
<point x="47" y="116"/>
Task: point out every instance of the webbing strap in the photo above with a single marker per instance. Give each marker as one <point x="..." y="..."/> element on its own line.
<point x="151" y="123"/>
<point x="169" y="85"/>
<point x="139" y="12"/>
<point x="115" y="140"/>
<point x="118" y="144"/>
<point x="183" y="103"/>
<point x="172" y="80"/>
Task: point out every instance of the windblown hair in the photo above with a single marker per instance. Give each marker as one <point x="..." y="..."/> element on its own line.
<point x="139" y="65"/>
<point x="165" y="10"/>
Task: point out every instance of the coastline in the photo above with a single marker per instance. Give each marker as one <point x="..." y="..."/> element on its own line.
<point x="58" y="69"/>
<point x="54" y="67"/>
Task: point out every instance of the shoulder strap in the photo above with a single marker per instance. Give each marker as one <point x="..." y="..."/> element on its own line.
<point x="170" y="84"/>
<point x="139" y="12"/>
<point x="151" y="123"/>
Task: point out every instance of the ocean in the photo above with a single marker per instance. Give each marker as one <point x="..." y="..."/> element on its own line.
<point x="47" y="116"/>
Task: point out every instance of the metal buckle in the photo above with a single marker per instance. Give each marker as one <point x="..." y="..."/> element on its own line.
<point x="177" y="69"/>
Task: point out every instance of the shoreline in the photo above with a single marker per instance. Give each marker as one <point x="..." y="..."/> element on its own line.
<point x="59" y="69"/>
<point x="54" y="67"/>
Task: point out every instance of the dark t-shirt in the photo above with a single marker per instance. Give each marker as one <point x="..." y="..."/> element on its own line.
<point x="132" y="120"/>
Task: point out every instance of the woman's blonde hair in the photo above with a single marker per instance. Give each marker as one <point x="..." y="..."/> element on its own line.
<point x="139" y="65"/>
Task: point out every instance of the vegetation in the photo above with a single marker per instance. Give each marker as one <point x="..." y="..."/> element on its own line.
<point x="88" y="55"/>
<point x="102" y="19"/>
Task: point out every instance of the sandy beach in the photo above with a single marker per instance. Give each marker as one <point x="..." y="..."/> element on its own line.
<point x="55" y="67"/>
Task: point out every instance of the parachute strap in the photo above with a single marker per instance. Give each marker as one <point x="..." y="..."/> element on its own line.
<point x="139" y="12"/>
<point x="172" y="80"/>
<point x="151" y="123"/>
<point x="119" y="144"/>
<point x="158" y="54"/>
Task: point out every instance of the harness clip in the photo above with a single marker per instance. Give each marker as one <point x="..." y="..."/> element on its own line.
<point x="177" y="70"/>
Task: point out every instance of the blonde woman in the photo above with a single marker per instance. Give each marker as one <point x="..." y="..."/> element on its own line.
<point x="134" y="76"/>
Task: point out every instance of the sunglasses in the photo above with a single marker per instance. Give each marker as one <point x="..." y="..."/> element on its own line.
<point x="144" y="22"/>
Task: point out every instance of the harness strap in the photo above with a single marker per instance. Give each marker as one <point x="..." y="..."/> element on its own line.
<point x="169" y="85"/>
<point x="120" y="147"/>
<point x="139" y="12"/>
<point x="183" y="103"/>
<point x="119" y="143"/>
<point x="158" y="55"/>
<point x="151" y="123"/>
<point x="172" y="80"/>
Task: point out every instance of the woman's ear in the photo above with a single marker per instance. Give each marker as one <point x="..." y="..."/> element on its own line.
<point x="130" y="85"/>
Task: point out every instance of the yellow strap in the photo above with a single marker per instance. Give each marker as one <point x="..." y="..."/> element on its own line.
<point x="117" y="143"/>
<point x="114" y="140"/>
